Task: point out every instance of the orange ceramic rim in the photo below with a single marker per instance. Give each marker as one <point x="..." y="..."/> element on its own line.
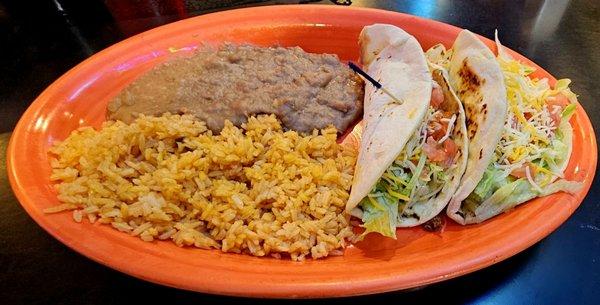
<point x="376" y="265"/>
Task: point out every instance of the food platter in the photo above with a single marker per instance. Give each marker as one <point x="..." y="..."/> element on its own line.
<point x="377" y="264"/>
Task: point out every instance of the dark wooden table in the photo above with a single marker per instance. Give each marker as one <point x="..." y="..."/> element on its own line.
<point x="40" y="40"/>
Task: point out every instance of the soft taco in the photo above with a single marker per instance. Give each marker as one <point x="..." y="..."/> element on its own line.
<point x="518" y="128"/>
<point x="412" y="154"/>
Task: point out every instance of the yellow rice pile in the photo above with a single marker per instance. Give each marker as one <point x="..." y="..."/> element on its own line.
<point x="255" y="189"/>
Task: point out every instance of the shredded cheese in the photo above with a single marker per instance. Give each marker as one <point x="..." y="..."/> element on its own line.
<point x="449" y="129"/>
<point x="529" y="139"/>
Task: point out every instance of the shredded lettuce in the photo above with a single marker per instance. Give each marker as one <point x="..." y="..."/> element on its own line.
<point x="499" y="48"/>
<point x="568" y="112"/>
<point x="509" y="195"/>
<point x="496" y="186"/>
<point x="416" y="175"/>
<point x="491" y="181"/>
<point x="380" y="214"/>
<point x="519" y="191"/>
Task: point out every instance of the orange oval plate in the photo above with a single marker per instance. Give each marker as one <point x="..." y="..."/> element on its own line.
<point x="375" y="265"/>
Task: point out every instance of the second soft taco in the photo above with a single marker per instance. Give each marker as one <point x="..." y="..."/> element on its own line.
<point x="518" y="127"/>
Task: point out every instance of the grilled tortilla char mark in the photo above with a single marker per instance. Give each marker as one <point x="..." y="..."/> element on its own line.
<point x="471" y="84"/>
<point x="470" y="80"/>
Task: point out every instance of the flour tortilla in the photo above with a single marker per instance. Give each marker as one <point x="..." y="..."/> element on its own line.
<point x="476" y="76"/>
<point x="425" y="210"/>
<point x="395" y="59"/>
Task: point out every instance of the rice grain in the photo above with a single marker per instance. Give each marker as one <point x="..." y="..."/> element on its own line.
<point x="257" y="189"/>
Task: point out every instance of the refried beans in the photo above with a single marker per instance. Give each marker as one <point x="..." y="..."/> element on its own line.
<point x="305" y="91"/>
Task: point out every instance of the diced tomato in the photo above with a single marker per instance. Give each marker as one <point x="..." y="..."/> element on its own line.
<point x="555" y="117"/>
<point x="451" y="149"/>
<point x="521" y="171"/>
<point x="559" y="100"/>
<point x="437" y="127"/>
<point x="437" y="96"/>
<point x="440" y="153"/>
<point x="527" y="115"/>
<point x="433" y="152"/>
<point x="437" y="130"/>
